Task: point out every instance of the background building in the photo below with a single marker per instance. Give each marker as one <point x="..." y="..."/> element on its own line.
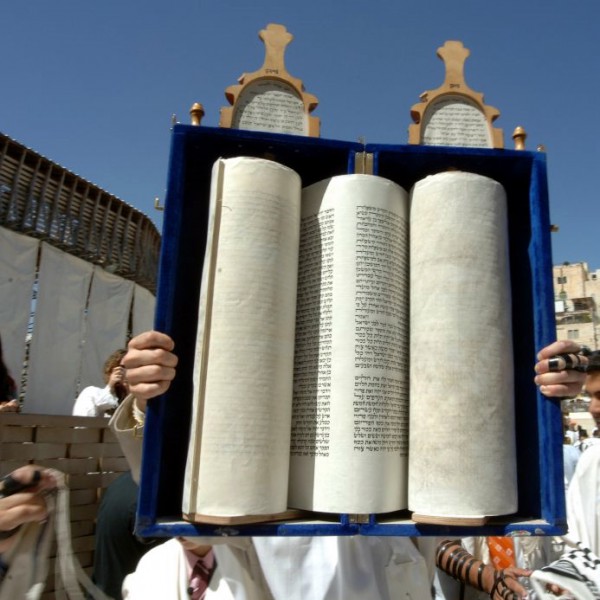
<point x="576" y="294"/>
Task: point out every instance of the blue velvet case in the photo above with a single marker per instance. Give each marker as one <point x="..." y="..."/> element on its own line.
<point x="539" y="429"/>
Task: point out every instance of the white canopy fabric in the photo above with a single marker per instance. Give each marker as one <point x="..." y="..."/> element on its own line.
<point x="54" y="361"/>
<point x="107" y="319"/>
<point x="18" y="258"/>
<point x="143" y="310"/>
<point x="81" y="315"/>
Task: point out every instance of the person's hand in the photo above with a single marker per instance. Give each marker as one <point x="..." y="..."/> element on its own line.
<point x="9" y="406"/>
<point x="28" y="505"/>
<point x="117" y="376"/>
<point x="150" y="365"/>
<point x="567" y="383"/>
<point x="506" y="582"/>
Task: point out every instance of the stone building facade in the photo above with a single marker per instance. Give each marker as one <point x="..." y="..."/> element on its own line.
<point x="576" y="295"/>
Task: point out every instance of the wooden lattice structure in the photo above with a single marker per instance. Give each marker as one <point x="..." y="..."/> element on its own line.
<point x="44" y="200"/>
<point x="81" y="447"/>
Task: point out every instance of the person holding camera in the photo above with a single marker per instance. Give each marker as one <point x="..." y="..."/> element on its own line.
<point x="117" y="549"/>
<point x="102" y="402"/>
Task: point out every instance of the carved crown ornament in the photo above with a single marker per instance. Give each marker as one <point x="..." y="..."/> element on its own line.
<point x="270" y="99"/>
<point x="454" y="114"/>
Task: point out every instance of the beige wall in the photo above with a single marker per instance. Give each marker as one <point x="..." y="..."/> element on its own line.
<point x="576" y="279"/>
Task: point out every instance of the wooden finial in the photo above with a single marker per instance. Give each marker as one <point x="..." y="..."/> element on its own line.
<point x="454" y="55"/>
<point x="454" y="114"/>
<point x="276" y="39"/>
<point x="519" y="136"/>
<point x="196" y="113"/>
<point x="270" y="99"/>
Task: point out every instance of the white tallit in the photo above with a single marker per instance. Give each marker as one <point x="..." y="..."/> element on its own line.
<point x="162" y="574"/>
<point x="583" y="500"/>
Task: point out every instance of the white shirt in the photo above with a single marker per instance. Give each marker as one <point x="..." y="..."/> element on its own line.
<point x="162" y="574"/>
<point x="295" y="568"/>
<point x="571" y="457"/>
<point x="343" y="568"/>
<point x="94" y="402"/>
<point x="583" y="500"/>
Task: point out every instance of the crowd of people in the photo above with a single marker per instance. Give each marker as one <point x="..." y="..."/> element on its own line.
<point x="328" y="568"/>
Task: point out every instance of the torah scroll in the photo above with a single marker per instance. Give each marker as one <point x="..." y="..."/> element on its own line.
<point x="462" y="456"/>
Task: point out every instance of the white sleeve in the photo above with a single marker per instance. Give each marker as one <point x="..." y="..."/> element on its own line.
<point x="84" y="405"/>
<point x="105" y="400"/>
<point x="94" y="402"/>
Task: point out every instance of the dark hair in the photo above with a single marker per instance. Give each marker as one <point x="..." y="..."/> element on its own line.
<point x="112" y="362"/>
<point x="593" y="365"/>
<point x="7" y="383"/>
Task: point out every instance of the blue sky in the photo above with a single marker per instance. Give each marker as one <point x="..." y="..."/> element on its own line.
<point x="93" y="85"/>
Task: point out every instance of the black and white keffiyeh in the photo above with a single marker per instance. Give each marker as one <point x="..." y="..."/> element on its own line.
<point x="576" y="572"/>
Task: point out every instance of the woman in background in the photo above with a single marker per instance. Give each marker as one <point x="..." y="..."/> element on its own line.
<point x="102" y="401"/>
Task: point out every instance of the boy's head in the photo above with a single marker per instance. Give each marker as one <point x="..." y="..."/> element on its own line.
<point x="592" y="385"/>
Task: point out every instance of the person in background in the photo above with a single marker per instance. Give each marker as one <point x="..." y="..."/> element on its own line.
<point x="570" y="459"/>
<point x="578" y="569"/>
<point x="8" y="388"/>
<point x="581" y="443"/>
<point x="571" y="432"/>
<point x="24" y="535"/>
<point x="34" y="520"/>
<point x="98" y="402"/>
<point x="595" y="439"/>
<point x="588" y="442"/>
<point x="117" y="550"/>
<point x="495" y="567"/>
<point x="583" y="496"/>
<point x="190" y="568"/>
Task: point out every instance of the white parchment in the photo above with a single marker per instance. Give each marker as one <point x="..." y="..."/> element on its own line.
<point x="239" y="452"/>
<point x="360" y="380"/>
<point x="462" y="435"/>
